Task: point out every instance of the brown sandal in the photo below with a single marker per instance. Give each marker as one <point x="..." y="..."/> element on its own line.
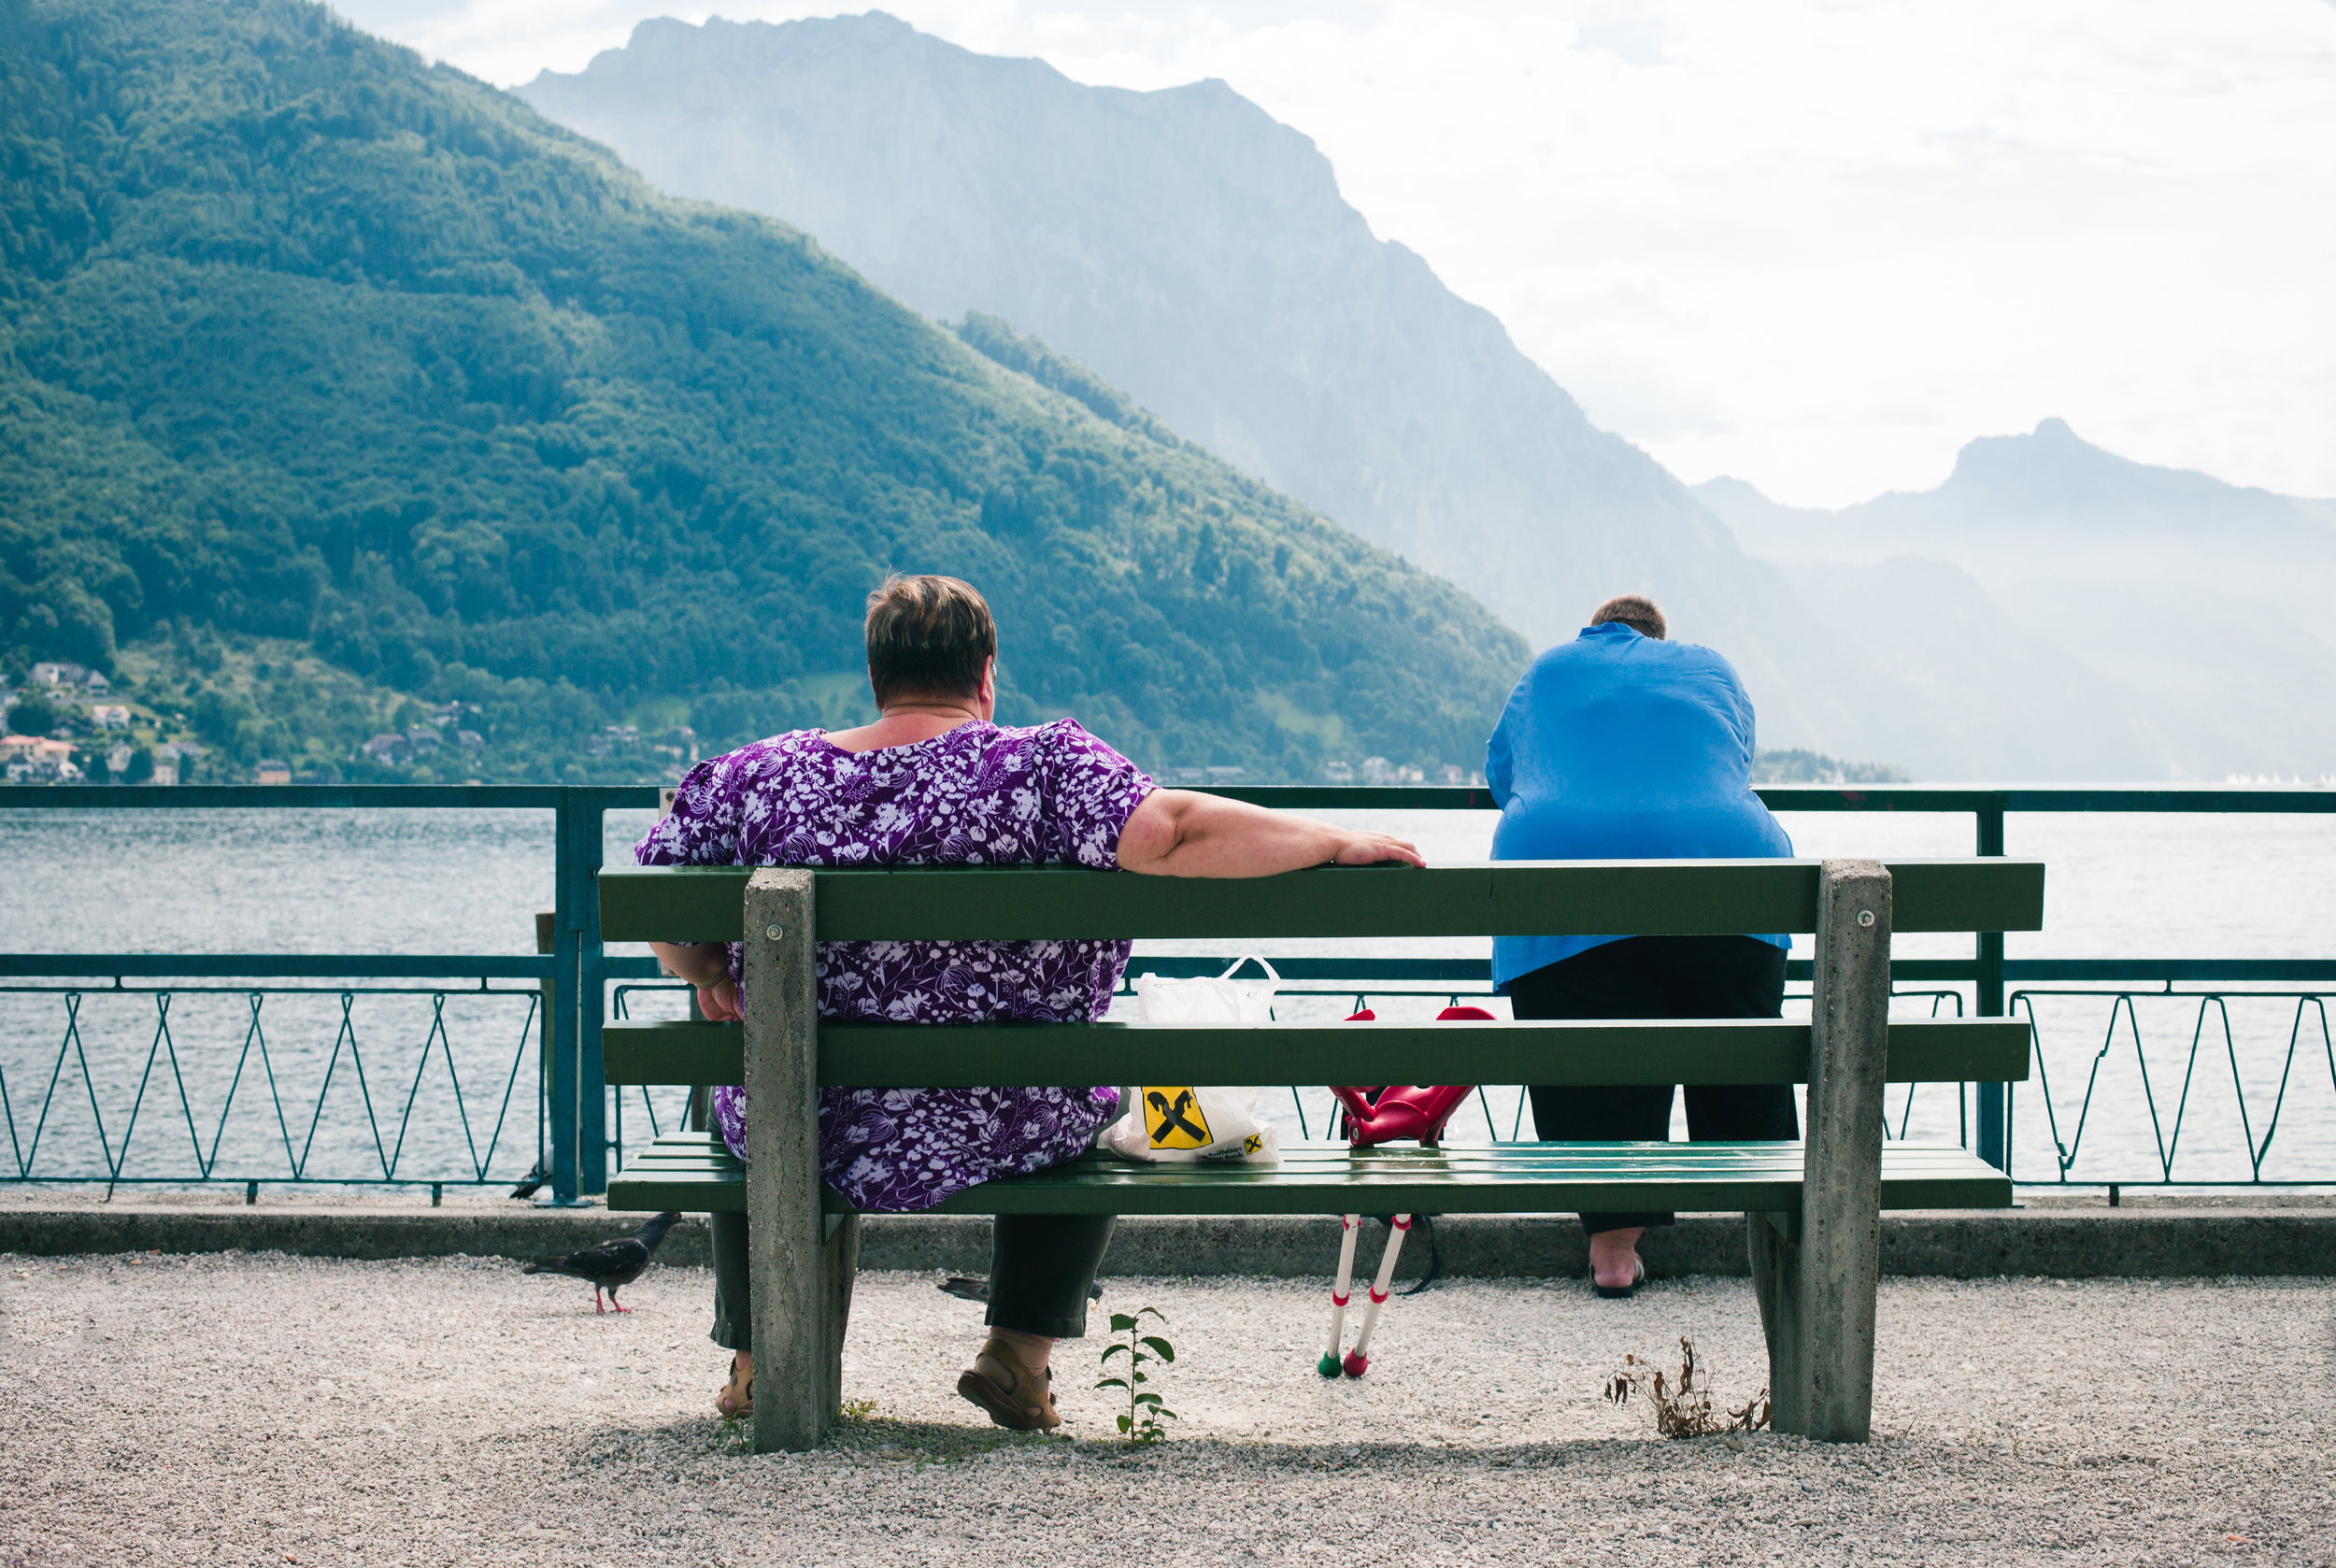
<point x="1012" y="1396"/>
<point x="731" y="1407"/>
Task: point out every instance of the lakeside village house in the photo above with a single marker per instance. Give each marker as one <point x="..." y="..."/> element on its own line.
<point x="37" y="760"/>
<point x="49" y="758"/>
<point x="1374" y="770"/>
<point x="44" y="759"/>
<point x="422" y="742"/>
<point x="1378" y="770"/>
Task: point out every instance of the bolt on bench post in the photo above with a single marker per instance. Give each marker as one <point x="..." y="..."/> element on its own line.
<point x="800" y="1263"/>
<point x="1817" y="1280"/>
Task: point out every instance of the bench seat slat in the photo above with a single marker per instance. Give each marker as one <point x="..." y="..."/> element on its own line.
<point x="692" y="1171"/>
<point x="939" y="1056"/>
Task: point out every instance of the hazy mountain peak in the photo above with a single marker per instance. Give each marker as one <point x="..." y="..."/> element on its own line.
<point x="1194" y="251"/>
<point x="2119" y="563"/>
<point x="1731" y="497"/>
<point x="2051" y="470"/>
<point x="2049" y="489"/>
<point x="2054" y="475"/>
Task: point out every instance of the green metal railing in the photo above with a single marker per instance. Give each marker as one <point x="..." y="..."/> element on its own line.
<point x="573" y="1111"/>
<point x="574" y="1121"/>
<point x="256" y="1063"/>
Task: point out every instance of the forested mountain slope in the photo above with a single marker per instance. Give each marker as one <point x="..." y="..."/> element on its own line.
<point x="306" y="339"/>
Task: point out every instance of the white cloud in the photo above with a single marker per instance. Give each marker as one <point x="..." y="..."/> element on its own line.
<point x="1818" y="247"/>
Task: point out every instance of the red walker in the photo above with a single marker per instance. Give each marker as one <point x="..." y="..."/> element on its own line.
<point x="1378" y="1116"/>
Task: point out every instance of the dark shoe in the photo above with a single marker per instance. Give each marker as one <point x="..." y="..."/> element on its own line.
<point x="967" y="1289"/>
<point x="1621" y="1293"/>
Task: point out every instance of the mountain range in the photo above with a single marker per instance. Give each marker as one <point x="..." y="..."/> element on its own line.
<point x="2208" y="599"/>
<point x="1198" y="254"/>
<point x="308" y="345"/>
<point x="343" y="390"/>
<point x="1189" y="248"/>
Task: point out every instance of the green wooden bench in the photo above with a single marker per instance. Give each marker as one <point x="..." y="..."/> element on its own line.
<point x="1812" y="1207"/>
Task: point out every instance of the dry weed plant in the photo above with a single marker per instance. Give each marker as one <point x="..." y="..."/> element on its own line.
<point x="1683" y="1407"/>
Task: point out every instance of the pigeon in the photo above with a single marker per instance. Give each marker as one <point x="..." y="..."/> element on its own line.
<point x="533" y="1182"/>
<point x="611" y="1263"/>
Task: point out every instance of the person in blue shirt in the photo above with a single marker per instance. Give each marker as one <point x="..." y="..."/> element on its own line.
<point x="1622" y="745"/>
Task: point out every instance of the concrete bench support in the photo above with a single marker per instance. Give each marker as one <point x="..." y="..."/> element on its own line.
<point x="1817" y="1279"/>
<point x="802" y="1263"/>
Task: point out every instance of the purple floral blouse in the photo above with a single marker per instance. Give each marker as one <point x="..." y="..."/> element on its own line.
<point x="981" y="795"/>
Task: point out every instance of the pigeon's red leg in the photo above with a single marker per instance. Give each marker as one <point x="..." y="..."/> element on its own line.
<point x="616" y="1306"/>
<point x="598" y="1310"/>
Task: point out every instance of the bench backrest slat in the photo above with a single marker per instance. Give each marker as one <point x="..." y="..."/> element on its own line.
<point x="1509" y="898"/>
<point x="942" y="1056"/>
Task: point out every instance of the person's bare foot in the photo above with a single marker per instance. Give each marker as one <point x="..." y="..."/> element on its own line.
<point x="736" y="1399"/>
<point x="1614" y="1263"/>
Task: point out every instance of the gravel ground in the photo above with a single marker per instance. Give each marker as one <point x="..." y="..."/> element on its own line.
<point x="262" y="1409"/>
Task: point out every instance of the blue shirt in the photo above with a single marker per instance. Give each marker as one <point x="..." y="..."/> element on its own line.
<point x="1616" y="747"/>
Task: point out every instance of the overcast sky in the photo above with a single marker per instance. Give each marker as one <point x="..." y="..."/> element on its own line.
<point x="1816" y="246"/>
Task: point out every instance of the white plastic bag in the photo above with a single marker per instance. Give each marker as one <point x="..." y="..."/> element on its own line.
<point x="1189" y="1122"/>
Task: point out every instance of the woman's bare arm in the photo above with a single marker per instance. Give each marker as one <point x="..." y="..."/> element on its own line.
<point x="1181" y="833"/>
<point x="1173" y="833"/>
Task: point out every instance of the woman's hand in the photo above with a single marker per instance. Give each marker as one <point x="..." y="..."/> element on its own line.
<point x="1377" y="848"/>
<point x="707" y="967"/>
<point x="718" y="1001"/>
<point x="1179" y="833"/>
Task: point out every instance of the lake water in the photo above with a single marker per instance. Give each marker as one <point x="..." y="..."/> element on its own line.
<point x="436" y="882"/>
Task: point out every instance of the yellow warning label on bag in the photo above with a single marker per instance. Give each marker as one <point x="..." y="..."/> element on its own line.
<point x="1173" y="1116"/>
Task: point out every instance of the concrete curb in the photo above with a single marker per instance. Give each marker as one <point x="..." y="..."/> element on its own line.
<point x="2093" y="1243"/>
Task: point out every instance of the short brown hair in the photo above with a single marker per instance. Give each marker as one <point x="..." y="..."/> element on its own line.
<point x="928" y="637"/>
<point x="1634" y="611"/>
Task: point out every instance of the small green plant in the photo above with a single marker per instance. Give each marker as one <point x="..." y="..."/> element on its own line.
<point x="855" y="1410"/>
<point x="1684" y="1409"/>
<point x="1145" y="1411"/>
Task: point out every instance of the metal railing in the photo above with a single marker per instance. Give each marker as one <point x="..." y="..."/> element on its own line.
<point x="580" y="1124"/>
<point x="2306" y="1016"/>
<point x="573" y="1120"/>
<point x="161" y="1082"/>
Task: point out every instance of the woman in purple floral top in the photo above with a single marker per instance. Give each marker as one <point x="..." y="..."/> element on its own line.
<point x="933" y="781"/>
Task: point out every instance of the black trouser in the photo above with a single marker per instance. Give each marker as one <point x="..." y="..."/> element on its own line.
<point x="1660" y="978"/>
<point x="1040" y="1268"/>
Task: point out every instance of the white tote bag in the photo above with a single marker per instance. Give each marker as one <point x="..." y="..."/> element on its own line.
<point x="1191" y="1121"/>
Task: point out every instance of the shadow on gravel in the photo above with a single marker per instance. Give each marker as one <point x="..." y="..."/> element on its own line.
<point x="863" y="1436"/>
<point x="886" y="1437"/>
